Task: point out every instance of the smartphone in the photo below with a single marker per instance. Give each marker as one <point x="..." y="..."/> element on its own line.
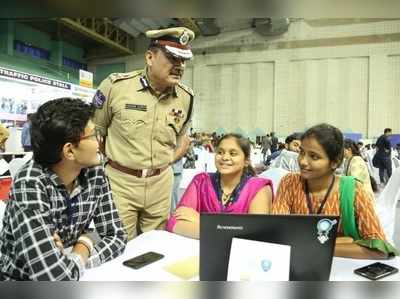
<point x="143" y="260"/>
<point x="376" y="271"/>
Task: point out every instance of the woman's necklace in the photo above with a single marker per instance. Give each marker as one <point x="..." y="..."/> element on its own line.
<point x="228" y="197"/>
<point x="225" y="197"/>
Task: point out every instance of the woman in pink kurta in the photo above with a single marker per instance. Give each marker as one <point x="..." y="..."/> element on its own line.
<point x="233" y="189"/>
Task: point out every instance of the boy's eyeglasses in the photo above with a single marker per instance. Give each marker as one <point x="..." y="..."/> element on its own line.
<point x="95" y="136"/>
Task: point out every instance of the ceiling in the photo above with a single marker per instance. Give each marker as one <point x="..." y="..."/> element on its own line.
<point x="56" y="31"/>
<point x="136" y="27"/>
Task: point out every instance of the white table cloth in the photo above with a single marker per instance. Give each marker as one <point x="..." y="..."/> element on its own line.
<point x="176" y="248"/>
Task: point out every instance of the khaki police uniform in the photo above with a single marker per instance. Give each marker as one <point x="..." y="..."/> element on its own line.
<point x="4" y="134"/>
<point x="141" y="128"/>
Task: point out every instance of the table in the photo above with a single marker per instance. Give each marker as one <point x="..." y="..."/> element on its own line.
<point x="173" y="246"/>
<point x="176" y="248"/>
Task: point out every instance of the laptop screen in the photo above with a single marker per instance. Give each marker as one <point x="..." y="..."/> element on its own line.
<point x="311" y="237"/>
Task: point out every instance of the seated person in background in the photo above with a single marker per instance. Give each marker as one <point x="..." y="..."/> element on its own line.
<point x="207" y="145"/>
<point x="362" y="150"/>
<point x="275" y="154"/>
<point x="287" y="158"/>
<point x="354" y="165"/>
<point x="54" y="198"/>
<point x="317" y="190"/>
<point x="232" y="189"/>
<point x="4" y="134"/>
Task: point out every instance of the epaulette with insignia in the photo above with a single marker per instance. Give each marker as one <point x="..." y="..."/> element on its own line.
<point x="186" y="88"/>
<point x="114" y="77"/>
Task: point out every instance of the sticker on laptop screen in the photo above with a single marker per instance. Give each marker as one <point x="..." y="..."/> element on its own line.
<point x="324" y="226"/>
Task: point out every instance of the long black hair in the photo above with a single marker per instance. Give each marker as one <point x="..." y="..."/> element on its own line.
<point x="352" y="146"/>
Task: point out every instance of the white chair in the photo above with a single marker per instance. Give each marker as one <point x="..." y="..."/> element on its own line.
<point x="209" y="165"/>
<point x="395" y="163"/>
<point x="4" y="167"/>
<point x="15" y="165"/>
<point x="187" y="176"/>
<point x="2" y="210"/>
<point x="387" y="202"/>
<point x="201" y="158"/>
<point x="275" y="175"/>
<point x="205" y="161"/>
<point x="256" y="157"/>
<point x="373" y="171"/>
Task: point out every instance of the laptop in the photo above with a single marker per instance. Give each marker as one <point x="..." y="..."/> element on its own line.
<point x="311" y="237"/>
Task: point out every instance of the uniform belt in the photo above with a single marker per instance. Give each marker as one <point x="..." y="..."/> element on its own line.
<point x="140" y="173"/>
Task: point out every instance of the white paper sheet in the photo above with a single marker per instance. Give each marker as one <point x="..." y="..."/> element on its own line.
<point x="258" y="261"/>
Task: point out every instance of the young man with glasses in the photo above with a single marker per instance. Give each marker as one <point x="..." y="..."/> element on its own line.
<point x="56" y="196"/>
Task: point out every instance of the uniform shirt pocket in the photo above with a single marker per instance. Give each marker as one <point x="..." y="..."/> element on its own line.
<point x="174" y="122"/>
<point x="133" y="117"/>
<point x="169" y="130"/>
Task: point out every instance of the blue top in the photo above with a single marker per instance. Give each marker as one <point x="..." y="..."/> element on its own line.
<point x="177" y="167"/>
<point x="383" y="147"/>
<point x="26" y="134"/>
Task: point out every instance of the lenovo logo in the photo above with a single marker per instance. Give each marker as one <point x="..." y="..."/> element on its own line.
<point x="229" y="227"/>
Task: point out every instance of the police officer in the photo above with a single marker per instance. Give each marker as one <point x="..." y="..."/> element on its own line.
<point x="143" y="115"/>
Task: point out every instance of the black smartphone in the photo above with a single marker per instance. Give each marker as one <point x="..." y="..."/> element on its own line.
<point x="376" y="271"/>
<point x="143" y="260"/>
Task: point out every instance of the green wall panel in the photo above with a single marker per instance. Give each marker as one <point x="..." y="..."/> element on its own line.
<point x="32" y="36"/>
<point x="11" y="30"/>
<point x="103" y="70"/>
<point x="73" y="52"/>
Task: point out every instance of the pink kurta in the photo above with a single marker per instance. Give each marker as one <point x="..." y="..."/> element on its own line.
<point x="201" y="196"/>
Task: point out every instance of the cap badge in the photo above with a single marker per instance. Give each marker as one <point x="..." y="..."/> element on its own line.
<point x="184" y="38"/>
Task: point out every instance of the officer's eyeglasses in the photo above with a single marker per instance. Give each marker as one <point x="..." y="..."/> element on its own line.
<point x="95" y="136"/>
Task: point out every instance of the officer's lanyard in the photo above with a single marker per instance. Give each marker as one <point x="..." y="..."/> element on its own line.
<point x="321" y="206"/>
